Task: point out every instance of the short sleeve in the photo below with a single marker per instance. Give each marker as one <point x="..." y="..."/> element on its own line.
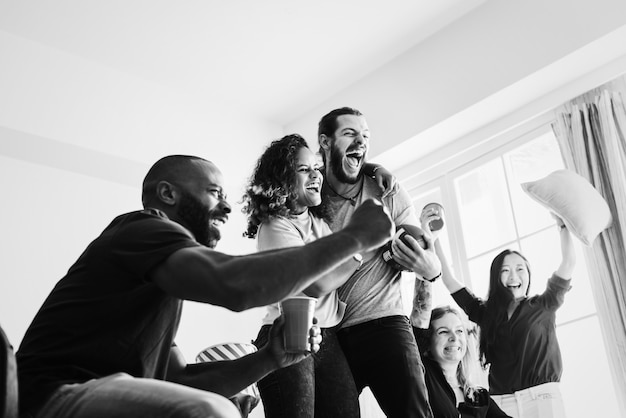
<point x="278" y="233"/>
<point x="144" y="240"/>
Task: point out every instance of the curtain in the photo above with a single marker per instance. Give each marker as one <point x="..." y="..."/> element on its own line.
<point x="591" y="131"/>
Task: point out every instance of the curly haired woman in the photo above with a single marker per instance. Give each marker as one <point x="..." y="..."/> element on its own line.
<point x="284" y="209"/>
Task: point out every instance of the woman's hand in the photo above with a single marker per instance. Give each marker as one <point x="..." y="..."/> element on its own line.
<point x="387" y="182"/>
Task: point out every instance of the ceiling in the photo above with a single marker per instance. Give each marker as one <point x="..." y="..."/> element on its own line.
<point x="275" y="58"/>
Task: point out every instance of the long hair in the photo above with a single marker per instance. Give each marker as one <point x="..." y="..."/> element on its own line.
<point x="271" y="190"/>
<point x="468" y="366"/>
<point x="498" y="301"/>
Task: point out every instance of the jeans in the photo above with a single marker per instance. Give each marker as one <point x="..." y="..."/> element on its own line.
<point x="121" y="396"/>
<point x="383" y="355"/>
<point x="319" y="386"/>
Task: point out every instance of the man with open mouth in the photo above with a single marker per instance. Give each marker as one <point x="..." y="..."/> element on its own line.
<point x="102" y="344"/>
<point x="375" y="333"/>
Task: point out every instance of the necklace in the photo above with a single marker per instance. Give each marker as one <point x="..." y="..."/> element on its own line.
<point x="352" y="199"/>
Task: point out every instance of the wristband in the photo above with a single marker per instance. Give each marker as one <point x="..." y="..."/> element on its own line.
<point x="433" y="279"/>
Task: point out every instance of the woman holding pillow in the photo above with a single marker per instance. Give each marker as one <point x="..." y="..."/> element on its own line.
<point x="518" y="332"/>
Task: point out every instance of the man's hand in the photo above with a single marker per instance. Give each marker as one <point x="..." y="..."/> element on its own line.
<point x="245" y="403"/>
<point x="276" y="344"/>
<point x="371" y="225"/>
<point x="423" y="262"/>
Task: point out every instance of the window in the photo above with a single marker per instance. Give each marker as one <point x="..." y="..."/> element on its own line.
<point x="486" y="212"/>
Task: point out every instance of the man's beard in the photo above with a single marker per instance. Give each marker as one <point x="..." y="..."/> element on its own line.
<point x="197" y="217"/>
<point x="336" y="167"/>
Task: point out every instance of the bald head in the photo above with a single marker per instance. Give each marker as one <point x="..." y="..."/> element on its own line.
<point x="176" y="169"/>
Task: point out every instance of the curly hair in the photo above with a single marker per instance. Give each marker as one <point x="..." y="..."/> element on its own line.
<point x="498" y="300"/>
<point x="271" y="190"/>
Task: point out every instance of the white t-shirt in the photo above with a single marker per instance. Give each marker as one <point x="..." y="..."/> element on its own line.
<point x="294" y="231"/>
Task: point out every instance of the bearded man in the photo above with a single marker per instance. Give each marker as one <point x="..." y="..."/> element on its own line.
<point x="375" y="333"/>
<point x="102" y="344"/>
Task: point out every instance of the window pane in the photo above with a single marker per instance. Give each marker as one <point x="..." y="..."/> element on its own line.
<point x="486" y="217"/>
<point x="494" y="214"/>
<point x="543" y="251"/>
<point x="586" y="382"/>
<point x="532" y="161"/>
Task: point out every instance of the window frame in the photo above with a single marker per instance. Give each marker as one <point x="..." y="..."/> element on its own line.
<point x="434" y="172"/>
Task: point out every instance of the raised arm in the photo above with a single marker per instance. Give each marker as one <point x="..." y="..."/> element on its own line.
<point x="447" y="275"/>
<point x="568" y="253"/>
<point x="242" y="282"/>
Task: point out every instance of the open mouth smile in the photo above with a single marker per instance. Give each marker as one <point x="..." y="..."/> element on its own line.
<point x="354" y="158"/>
<point x="314" y="187"/>
<point x="218" y="222"/>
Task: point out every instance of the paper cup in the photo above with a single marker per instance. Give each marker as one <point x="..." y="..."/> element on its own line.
<point x="436" y="211"/>
<point x="230" y="351"/>
<point x="299" y="312"/>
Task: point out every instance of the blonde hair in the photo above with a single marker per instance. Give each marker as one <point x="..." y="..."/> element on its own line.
<point x="468" y="370"/>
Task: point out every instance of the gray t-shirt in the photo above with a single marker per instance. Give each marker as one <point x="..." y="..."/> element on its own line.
<point x="374" y="291"/>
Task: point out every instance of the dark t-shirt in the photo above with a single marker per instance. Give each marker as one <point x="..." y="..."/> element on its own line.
<point x="527" y="352"/>
<point x="441" y="396"/>
<point x="105" y="316"/>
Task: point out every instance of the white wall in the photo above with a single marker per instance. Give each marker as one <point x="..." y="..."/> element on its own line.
<point x="491" y="49"/>
<point x="76" y="140"/>
<point x="76" y="137"/>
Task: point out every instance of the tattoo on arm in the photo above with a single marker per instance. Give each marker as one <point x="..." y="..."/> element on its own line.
<point x="422" y="304"/>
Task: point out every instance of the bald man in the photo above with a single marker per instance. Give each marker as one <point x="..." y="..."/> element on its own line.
<point x="103" y="345"/>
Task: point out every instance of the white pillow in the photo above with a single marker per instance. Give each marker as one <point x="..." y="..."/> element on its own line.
<point x="571" y="197"/>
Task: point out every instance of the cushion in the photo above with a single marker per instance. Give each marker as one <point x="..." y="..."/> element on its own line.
<point x="571" y="197"/>
<point x="232" y="351"/>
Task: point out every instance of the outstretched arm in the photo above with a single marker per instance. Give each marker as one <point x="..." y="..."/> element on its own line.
<point x="281" y="232"/>
<point x="229" y="377"/>
<point x="333" y="279"/>
<point x="568" y="253"/>
<point x="243" y="282"/>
